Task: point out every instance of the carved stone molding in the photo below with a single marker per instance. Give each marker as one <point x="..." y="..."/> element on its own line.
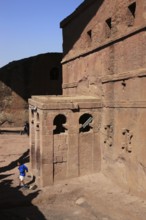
<point x="125" y="75"/>
<point x="125" y="104"/>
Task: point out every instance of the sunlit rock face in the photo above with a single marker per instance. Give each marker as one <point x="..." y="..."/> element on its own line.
<point x="99" y="123"/>
<point x="105" y="58"/>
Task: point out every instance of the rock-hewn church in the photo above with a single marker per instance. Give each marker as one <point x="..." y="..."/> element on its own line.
<point x="99" y="123"/>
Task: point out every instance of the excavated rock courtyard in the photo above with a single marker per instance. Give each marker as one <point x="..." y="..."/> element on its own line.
<point x="92" y="197"/>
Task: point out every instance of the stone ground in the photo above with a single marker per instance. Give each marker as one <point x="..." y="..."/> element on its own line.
<point x="86" y="198"/>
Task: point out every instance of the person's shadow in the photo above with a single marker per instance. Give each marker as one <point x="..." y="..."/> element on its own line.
<point x="14" y="204"/>
<point x="24" y="158"/>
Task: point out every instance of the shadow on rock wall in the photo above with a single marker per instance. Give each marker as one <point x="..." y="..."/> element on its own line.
<point x="78" y="25"/>
<point x="15" y="202"/>
<point x="31" y="76"/>
<point x="19" y="80"/>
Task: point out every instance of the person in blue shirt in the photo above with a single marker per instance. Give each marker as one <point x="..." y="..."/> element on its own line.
<point x="22" y="173"/>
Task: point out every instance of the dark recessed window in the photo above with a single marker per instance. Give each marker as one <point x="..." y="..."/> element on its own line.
<point x="109" y="22"/>
<point x="85" y="121"/>
<point x="59" y="122"/>
<point x="89" y="33"/>
<point x="132" y="8"/>
<point x="38" y="117"/>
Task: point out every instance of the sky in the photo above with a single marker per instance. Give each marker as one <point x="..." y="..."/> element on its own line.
<point x="32" y="27"/>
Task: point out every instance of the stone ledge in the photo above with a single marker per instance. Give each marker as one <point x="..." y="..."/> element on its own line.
<point x="125" y="104"/>
<point x="61" y="103"/>
<point x="70" y="85"/>
<point x="125" y="75"/>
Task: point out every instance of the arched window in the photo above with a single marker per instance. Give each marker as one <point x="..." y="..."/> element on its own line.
<point x="59" y="122"/>
<point x="85" y="120"/>
<point x="54" y="73"/>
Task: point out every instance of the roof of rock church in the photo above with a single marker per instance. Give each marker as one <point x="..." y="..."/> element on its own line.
<point x="78" y="10"/>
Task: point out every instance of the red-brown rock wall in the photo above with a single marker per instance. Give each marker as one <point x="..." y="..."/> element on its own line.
<point x="106" y="58"/>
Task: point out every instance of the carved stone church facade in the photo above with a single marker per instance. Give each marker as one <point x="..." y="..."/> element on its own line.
<point x="99" y="123"/>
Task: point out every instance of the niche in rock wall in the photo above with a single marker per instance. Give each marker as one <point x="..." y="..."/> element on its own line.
<point x="123" y="83"/>
<point x="38" y="117"/>
<point x="89" y="37"/>
<point x="38" y="120"/>
<point x="108" y="27"/>
<point x="32" y="116"/>
<point x="131" y="14"/>
<point x="89" y="34"/>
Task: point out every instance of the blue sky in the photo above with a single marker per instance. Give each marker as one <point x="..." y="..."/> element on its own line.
<point x="31" y="27"/>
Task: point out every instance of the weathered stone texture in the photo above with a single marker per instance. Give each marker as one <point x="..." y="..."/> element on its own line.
<point x="104" y="76"/>
<point x="105" y="55"/>
<point x="65" y="148"/>
<point x="105" y="58"/>
<point x="124" y="160"/>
